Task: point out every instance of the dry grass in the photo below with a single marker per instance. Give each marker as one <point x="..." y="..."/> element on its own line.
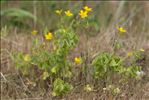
<point x="16" y="86"/>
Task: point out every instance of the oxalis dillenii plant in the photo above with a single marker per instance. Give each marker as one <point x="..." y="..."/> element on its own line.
<point x="51" y="56"/>
<point x="60" y="87"/>
<point x="54" y="63"/>
<point x="106" y="63"/>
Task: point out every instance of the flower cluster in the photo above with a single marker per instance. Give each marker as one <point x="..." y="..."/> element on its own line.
<point x="84" y="13"/>
<point x="121" y="30"/>
<point x="48" y="36"/>
<point x="68" y="13"/>
<point x="78" y="60"/>
<point x="55" y="62"/>
<point x="34" y="32"/>
<point x="58" y="12"/>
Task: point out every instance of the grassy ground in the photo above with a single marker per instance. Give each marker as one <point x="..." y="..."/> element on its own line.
<point x="16" y="86"/>
<point x="135" y="17"/>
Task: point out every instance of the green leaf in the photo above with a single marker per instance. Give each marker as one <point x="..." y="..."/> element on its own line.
<point x="45" y="75"/>
<point x="54" y="70"/>
<point x="60" y="87"/>
<point x="15" y="12"/>
<point x="113" y="63"/>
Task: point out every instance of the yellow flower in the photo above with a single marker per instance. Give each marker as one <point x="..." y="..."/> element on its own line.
<point x="88" y="88"/>
<point x="86" y="8"/>
<point x="58" y="12"/>
<point x="121" y="29"/>
<point x="129" y="54"/>
<point x="68" y="13"/>
<point x="48" y="36"/>
<point x="34" y="32"/>
<point x="142" y="50"/>
<point x="83" y="14"/>
<point x="27" y="58"/>
<point x="77" y="60"/>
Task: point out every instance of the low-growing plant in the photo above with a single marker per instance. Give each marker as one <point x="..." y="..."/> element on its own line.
<point x="105" y="63"/>
<point x="51" y="56"/>
<point x="60" y="87"/>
